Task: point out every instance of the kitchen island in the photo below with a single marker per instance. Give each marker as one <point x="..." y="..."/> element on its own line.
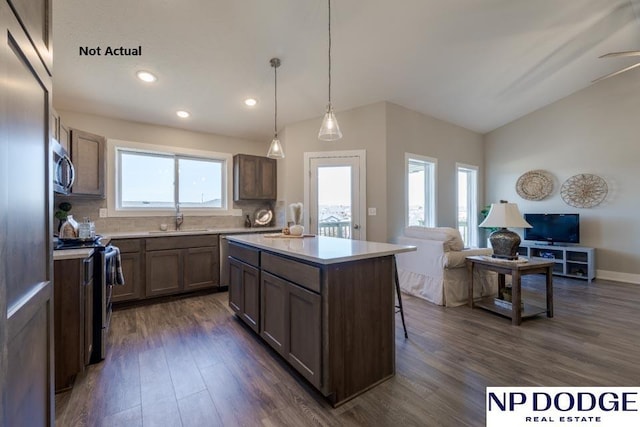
<point x="326" y="305"/>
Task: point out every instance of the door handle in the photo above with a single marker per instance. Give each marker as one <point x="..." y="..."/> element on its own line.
<point x="356" y="227"/>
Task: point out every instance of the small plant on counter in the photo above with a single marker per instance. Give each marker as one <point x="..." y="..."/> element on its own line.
<point x="62" y="213"/>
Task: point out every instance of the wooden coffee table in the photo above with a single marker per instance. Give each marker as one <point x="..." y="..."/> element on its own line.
<point x="516" y="270"/>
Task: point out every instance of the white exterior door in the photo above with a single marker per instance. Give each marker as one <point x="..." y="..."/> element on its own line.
<point x="334" y="194"/>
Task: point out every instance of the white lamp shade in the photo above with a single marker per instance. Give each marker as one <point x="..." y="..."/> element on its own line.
<point x="275" y="149"/>
<point x="329" y="131"/>
<point x="504" y="215"/>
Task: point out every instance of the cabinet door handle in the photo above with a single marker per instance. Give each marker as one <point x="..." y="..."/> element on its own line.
<point x="356" y="227"/>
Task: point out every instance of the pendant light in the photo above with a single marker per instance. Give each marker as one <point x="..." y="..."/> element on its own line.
<point x="275" y="149"/>
<point x="329" y="131"/>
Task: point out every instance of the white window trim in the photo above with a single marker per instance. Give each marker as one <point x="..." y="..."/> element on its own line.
<point x="432" y="207"/>
<point x="473" y="216"/>
<point x="113" y="211"/>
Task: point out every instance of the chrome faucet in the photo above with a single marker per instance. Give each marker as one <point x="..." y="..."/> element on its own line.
<point x="179" y="217"/>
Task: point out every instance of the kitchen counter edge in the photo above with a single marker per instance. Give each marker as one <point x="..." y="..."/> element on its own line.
<point x="321" y="249"/>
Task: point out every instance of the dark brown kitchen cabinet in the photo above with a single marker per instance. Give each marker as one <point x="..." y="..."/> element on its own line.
<point x="180" y="264"/>
<point x="244" y="284"/>
<point x="88" y="153"/>
<point x="244" y="291"/>
<point x="132" y="270"/>
<point x="290" y="323"/>
<point x="202" y="268"/>
<point x="73" y="318"/>
<point x="26" y="212"/>
<point x="273" y="295"/>
<point x="164" y="272"/>
<point x="254" y="178"/>
<point x="58" y="130"/>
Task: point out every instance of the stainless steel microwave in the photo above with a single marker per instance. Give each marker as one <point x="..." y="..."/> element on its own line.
<point x="63" y="172"/>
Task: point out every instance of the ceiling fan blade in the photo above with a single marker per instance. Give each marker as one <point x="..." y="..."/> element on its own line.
<point x="615" y="73"/>
<point x="619" y="54"/>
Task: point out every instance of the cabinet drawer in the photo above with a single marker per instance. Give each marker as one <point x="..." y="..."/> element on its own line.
<point x="181" y="242"/>
<point x="249" y="255"/>
<point x="128" y="245"/>
<point x="301" y="274"/>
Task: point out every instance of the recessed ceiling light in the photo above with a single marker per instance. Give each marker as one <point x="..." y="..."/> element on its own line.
<point x="182" y="114"/>
<point x="146" y="76"/>
<point x="250" y="102"/>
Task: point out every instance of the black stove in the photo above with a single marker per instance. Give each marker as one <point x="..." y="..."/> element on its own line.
<point x="62" y="244"/>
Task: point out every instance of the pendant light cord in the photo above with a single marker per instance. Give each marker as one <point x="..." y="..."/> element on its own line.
<point x="329" y="1"/>
<point x="275" y="98"/>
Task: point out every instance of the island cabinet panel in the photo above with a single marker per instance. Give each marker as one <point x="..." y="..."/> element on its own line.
<point x="132" y="270"/>
<point x="290" y="322"/>
<point x="164" y="272"/>
<point x="305" y="275"/>
<point x="273" y="292"/>
<point x="303" y="332"/>
<point x="244" y="284"/>
<point x="251" y="296"/>
<point x="235" y="286"/>
<point x="333" y="322"/>
<point x="359" y="299"/>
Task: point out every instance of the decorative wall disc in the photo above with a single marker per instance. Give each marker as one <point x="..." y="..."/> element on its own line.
<point x="534" y="185"/>
<point x="584" y="190"/>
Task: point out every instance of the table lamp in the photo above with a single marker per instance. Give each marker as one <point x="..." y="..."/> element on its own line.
<point x="504" y="242"/>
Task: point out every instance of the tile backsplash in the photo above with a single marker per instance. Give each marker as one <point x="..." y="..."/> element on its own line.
<point x="82" y="208"/>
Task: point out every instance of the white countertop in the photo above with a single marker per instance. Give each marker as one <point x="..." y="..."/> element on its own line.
<point x="159" y="233"/>
<point x="320" y="249"/>
<point x="72" y="253"/>
<point x="85" y="252"/>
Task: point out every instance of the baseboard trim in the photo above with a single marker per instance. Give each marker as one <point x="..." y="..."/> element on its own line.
<point x="618" y="277"/>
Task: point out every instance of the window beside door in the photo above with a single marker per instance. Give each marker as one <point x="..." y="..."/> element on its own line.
<point x="467" y="197"/>
<point x="420" y="190"/>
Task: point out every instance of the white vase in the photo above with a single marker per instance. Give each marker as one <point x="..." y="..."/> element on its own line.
<point x="296" y="230"/>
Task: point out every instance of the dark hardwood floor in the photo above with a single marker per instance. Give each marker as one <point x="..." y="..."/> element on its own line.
<point x="189" y="362"/>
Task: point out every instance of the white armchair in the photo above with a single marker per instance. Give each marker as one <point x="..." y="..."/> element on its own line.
<point x="437" y="271"/>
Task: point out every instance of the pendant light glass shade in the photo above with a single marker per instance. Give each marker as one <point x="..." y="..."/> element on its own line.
<point x="275" y="149"/>
<point x="329" y="131"/>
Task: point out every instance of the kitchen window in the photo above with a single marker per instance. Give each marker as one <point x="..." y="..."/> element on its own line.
<point x="154" y="180"/>
<point x="151" y="180"/>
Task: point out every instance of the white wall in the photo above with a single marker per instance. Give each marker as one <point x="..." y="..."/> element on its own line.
<point x="166" y="136"/>
<point x="416" y="133"/>
<point x="161" y="135"/>
<point x="363" y="129"/>
<point x="386" y="131"/>
<point x="593" y="131"/>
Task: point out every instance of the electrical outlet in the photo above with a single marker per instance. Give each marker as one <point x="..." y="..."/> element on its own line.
<point x="103" y="212"/>
<point x="372" y="211"/>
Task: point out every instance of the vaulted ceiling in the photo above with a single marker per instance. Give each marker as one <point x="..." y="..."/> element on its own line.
<point x="477" y="63"/>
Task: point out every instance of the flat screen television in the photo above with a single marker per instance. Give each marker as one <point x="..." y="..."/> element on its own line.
<point x="553" y="228"/>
